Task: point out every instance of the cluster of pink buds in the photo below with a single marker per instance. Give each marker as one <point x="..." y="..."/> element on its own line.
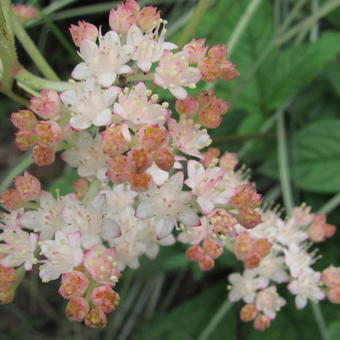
<point x="146" y="179"/>
<point x="74" y="285"/>
<point x="44" y="135"/>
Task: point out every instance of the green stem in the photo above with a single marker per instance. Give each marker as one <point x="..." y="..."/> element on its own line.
<point x="315" y="28"/>
<point x="309" y="22"/>
<point x="53" y="7"/>
<point x="242" y="24"/>
<point x="93" y="190"/>
<point x="320" y="321"/>
<point x="215" y="320"/>
<point x="27" y="78"/>
<point x="21" y="165"/>
<point x="283" y="163"/>
<point x="293" y="13"/>
<point x="20" y="273"/>
<point x="330" y="205"/>
<point x="140" y="77"/>
<point x="190" y="29"/>
<point x="32" y="50"/>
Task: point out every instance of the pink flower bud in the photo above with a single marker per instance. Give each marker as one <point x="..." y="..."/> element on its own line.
<point x="25" y="13"/>
<point x="209" y="69"/>
<point x="73" y="284"/>
<point x="262" y="322"/>
<point x="151" y="137"/>
<point x="140" y="182"/>
<point x="248" y="312"/>
<point x="228" y="161"/>
<point x="249" y="218"/>
<point x="228" y="71"/>
<point x="211" y="109"/>
<point x="28" y="186"/>
<point x="80" y="188"/>
<point x="261" y="246"/>
<point x="119" y="170"/>
<point x="139" y="159"/>
<point x="206" y="263"/>
<point x="187" y="106"/>
<point x="223" y="222"/>
<point x="116" y="139"/>
<point x="215" y="66"/>
<point x="334" y="295"/>
<point x="132" y="5"/>
<point x="212" y="248"/>
<point x="194" y="253"/>
<point x="24" y="120"/>
<point x="6" y="296"/>
<point x="242" y="245"/>
<point x="252" y="260"/>
<point x="48" y="132"/>
<point x="331" y="276"/>
<point x="77" y="308"/>
<point x="11" y="199"/>
<point x="83" y="30"/>
<point x="196" y="50"/>
<point x="210" y="157"/>
<point x="105" y="298"/>
<point x="96" y="319"/>
<point x="24" y="140"/>
<point x="101" y="264"/>
<point x="164" y="158"/>
<point x="47" y="105"/>
<point x="218" y="52"/>
<point x="246" y="197"/>
<point x="148" y="18"/>
<point x="43" y="155"/>
<point x="123" y="17"/>
<point x="7" y="278"/>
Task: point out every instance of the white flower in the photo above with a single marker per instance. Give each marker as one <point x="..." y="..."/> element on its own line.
<point x="137" y="238"/>
<point x="87" y="218"/>
<point x="173" y="73"/>
<point x="86" y="155"/>
<point x="168" y="204"/>
<point x="136" y="108"/>
<point x="297" y="259"/>
<point x="208" y="185"/>
<point x="19" y="248"/>
<point x="306" y="286"/>
<point x="272" y="267"/>
<point x="245" y="286"/>
<point x="63" y="255"/>
<point x="198" y="234"/>
<point x="47" y="219"/>
<point x="117" y="199"/>
<point x="10" y="221"/>
<point x="269" y="302"/>
<point x="104" y="61"/>
<point x="91" y="104"/>
<point x="158" y="175"/>
<point x="289" y="233"/>
<point x="148" y="47"/>
<point x="187" y="137"/>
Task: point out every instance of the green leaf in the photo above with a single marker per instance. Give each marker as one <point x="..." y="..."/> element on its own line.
<point x="251" y="124"/>
<point x="298" y="65"/>
<point x="314" y="157"/>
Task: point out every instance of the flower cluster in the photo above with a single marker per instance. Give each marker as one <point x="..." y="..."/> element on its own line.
<point x="284" y="258"/>
<point x="146" y="179"/>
